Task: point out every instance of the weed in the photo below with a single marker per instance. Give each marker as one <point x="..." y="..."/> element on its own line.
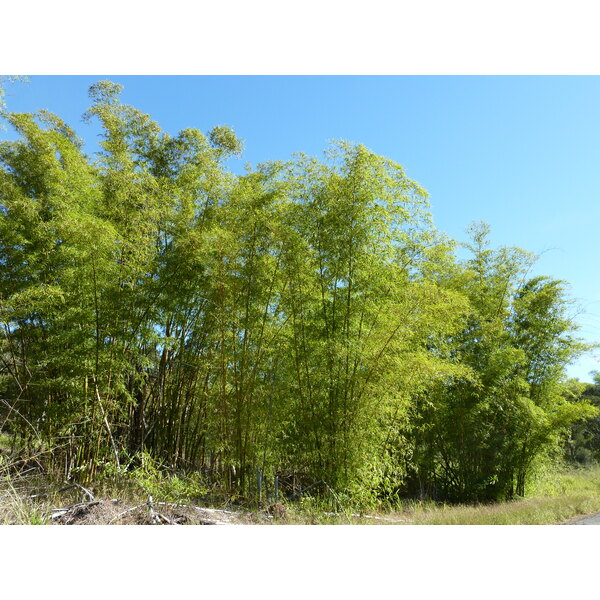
<point x="154" y="480"/>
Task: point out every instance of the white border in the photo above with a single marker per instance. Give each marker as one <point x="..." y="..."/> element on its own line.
<point x="310" y="37"/>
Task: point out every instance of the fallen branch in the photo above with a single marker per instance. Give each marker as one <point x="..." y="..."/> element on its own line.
<point x="64" y="489"/>
<point x="84" y="490"/>
<point x="73" y="511"/>
<point x="153" y="514"/>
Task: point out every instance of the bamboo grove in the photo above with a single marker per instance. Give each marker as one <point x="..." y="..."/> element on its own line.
<point x="305" y="318"/>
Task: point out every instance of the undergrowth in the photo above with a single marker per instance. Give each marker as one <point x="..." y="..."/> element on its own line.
<point x="553" y="497"/>
<point x="152" y="479"/>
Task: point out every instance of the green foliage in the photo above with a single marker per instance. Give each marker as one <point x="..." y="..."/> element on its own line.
<point x="224" y="138"/>
<point x="583" y="443"/>
<point x="305" y="319"/>
<point x="478" y="437"/>
<point x="153" y="479"/>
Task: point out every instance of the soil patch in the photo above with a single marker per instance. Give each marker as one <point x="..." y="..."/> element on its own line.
<point x="115" y="512"/>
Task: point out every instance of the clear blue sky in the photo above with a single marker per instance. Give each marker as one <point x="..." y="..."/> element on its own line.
<point x="522" y="153"/>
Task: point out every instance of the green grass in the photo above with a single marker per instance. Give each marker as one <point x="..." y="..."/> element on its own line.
<point x="554" y="498"/>
<point x="16" y="508"/>
<point x="530" y="511"/>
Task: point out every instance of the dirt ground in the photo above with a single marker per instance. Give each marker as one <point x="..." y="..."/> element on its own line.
<point x="31" y="499"/>
<point x="115" y="512"/>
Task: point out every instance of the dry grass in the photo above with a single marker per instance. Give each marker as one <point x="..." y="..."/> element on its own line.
<point x="16" y="508"/>
<point x="34" y="500"/>
<point x="533" y="511"/>
<point x="556" y="498"/>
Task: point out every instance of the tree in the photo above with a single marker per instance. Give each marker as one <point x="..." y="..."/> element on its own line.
<point x="583" y="442"/>
<point x="481" y="435"/>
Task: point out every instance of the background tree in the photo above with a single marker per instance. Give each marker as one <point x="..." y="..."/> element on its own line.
<point x="583" y="442"/>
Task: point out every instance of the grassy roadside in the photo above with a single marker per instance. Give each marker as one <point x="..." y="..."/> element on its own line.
<point x="530" y="511"/>
<point x="555" y="498"/>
